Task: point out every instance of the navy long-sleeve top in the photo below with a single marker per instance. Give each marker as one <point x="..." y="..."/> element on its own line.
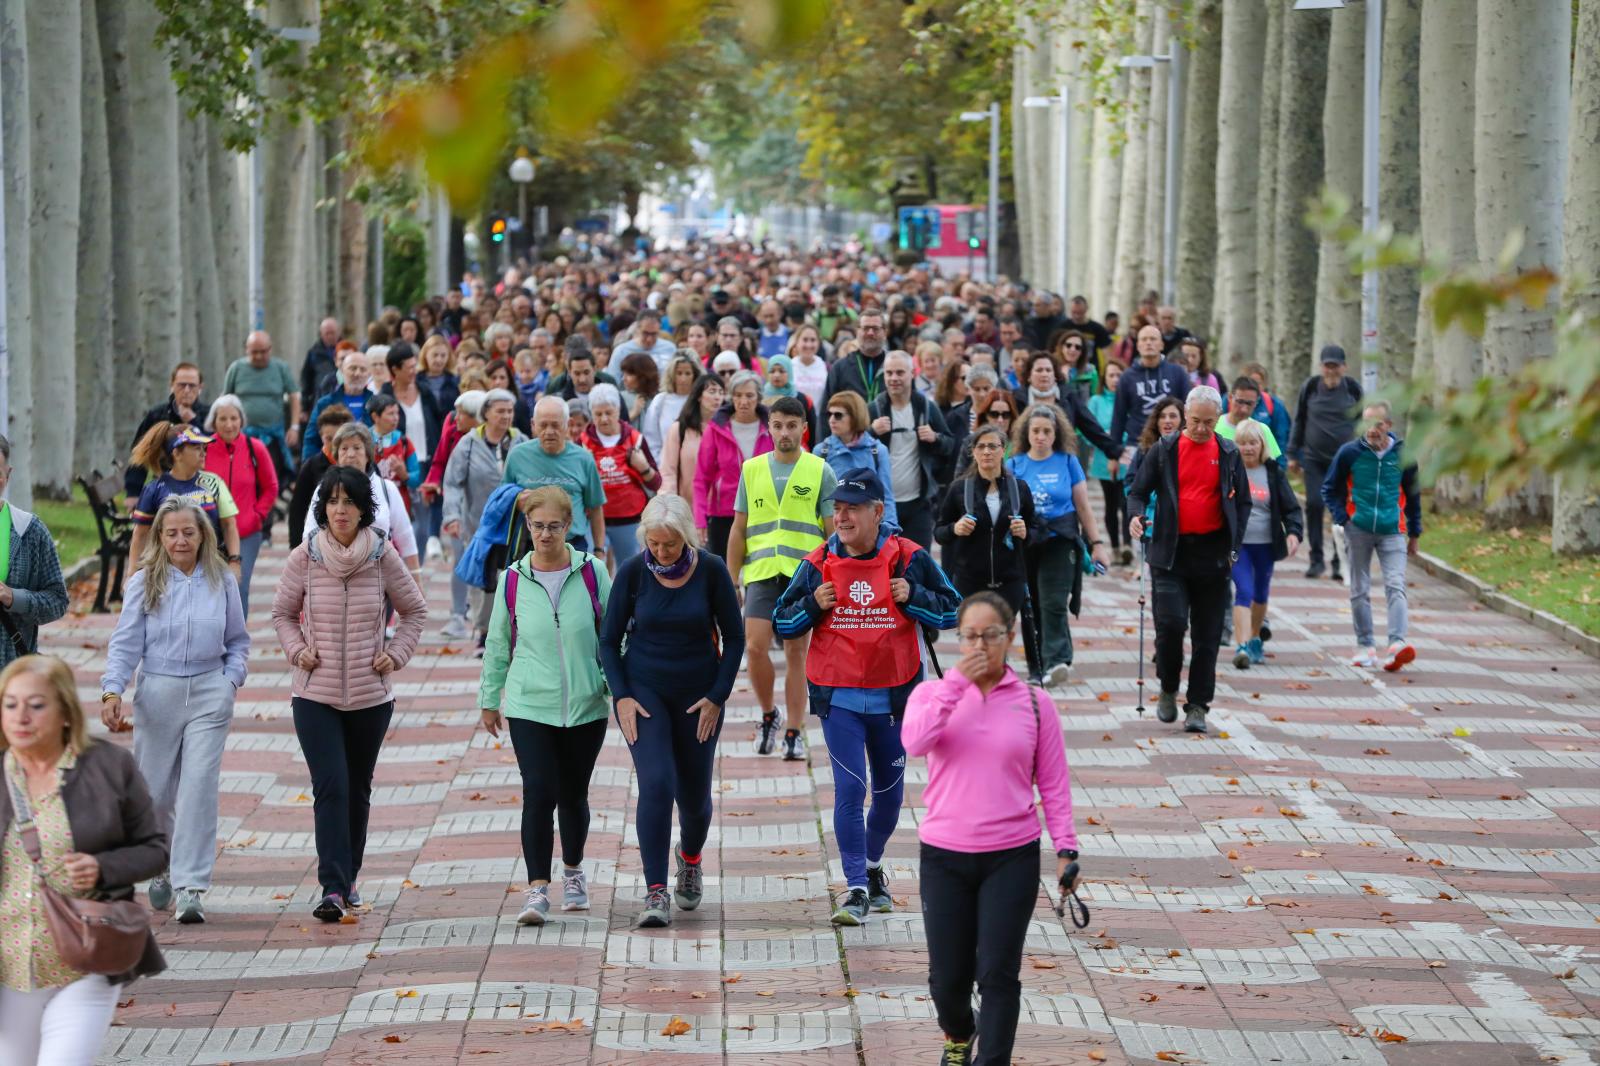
<point x="672" y="634"/>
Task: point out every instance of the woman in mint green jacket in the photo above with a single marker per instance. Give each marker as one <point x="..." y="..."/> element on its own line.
<point x="542" y="680"/>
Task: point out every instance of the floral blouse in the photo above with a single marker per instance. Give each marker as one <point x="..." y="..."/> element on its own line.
<point x="28" y="958"/>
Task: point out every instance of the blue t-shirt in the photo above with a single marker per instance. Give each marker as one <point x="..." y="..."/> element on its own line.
<point x="1050" y="480"/>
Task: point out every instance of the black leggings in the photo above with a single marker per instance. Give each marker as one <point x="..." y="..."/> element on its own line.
<point x="1116" y="510"/>
<point x="717" y="533"/>
<point x="975" y="912"/>
<point x="341" y="750"/>
<point x="673" y="766"/>
<point x="556" y="765"/>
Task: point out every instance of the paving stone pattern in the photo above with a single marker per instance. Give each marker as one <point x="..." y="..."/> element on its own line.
<point x="1346" y="861"/>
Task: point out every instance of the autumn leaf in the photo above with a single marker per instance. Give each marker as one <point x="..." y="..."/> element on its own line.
<point x="1290" y="812"/>
<point x="1375" y="751"/>
<point x="393" y="1039"/>
<point x="405" y="993"/>
<point x="1043" y="964"/>
<point x="1171" y="1056"/>
<point x="1149" y="997"/>
<point x="349" y="919"/>
<point x="1390" y="1037"/>
<point x="676" y="1027"/>
<point x="733" y="979"/>
<point x="1104" y="697"/>
<point x="1096" y="1055"/>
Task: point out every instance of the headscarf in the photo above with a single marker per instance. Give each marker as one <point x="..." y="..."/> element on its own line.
<point x="772" y="392"/>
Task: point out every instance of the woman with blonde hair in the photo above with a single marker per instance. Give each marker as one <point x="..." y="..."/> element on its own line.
<point x="78" y="808"/>
<point x="182" y="629"/>
<point x="542" y="683"/>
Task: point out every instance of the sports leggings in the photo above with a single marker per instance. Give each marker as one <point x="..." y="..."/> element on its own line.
<point x="673" y="765"/>
<point x="556" y="765"/>
<point x="856" y="741"/>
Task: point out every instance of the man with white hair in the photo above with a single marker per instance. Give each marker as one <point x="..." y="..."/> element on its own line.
<point x="919" y="444"/>
<point x="551" y="458"/>
<point x="1203" y="506"/>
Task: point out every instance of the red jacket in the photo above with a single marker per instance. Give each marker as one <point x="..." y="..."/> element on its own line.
<point x="249" y="475"/>
<point x="625" y="486"/>
<point x="449" y="437"/>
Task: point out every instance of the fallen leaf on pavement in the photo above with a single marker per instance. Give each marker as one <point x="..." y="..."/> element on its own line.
<point x="393" y="1039"/>
<point x="676" y="1027"/>
<point x="1389" y="1037"/>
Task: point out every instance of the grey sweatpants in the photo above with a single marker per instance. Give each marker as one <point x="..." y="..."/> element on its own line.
<point x="180" y="724"/>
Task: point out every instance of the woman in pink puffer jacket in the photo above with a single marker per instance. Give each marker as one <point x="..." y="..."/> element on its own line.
<point x="329" y="613"/>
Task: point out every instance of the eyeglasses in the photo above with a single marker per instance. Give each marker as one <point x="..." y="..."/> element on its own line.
<point x="990" y="446"/>
<point x="992" y="636"/>
<point x="539" y="528"/>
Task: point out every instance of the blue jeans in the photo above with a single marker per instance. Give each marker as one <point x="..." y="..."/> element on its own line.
<point x="249" y="548"/>
<point x="856" y="741"/>
<point x="622" y="540"/>
<point x="1391" y="552"/>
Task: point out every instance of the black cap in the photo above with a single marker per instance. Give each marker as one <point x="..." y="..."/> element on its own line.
<point x="719" y="296"/>
<point x="859" y="488"/>
<point x="1332" y="353"/>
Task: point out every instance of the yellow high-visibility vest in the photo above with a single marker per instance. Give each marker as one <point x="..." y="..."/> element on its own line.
<point x="780" y="533"/>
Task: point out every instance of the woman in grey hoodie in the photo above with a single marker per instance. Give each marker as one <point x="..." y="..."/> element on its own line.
<point x="182" y="628"/>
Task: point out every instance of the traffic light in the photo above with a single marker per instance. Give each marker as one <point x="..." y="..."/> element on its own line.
<point x="497" y="229"/>
<point x="973" y="242"/>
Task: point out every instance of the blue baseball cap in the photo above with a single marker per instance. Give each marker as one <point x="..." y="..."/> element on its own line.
<point x="859" y="488"/>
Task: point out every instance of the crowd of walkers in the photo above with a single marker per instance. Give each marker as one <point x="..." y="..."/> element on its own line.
<point x="642" y="471"/>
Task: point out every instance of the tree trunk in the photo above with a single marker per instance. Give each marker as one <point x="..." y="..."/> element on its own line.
<point x="1080" y="162"/>
<point x="94" y="447"/>
<point x="15" y="132"/>
<point x="1244" y="25"/>
<point x="1026" y="149"/>
<point x="1197" y="208"/>
<point x="189" y="268"/>
<point x="1576" y="527"/>
<point x="1153" y="250"/>
<point x="352" y="304"/>
<point x="1267" y="196"/>
<point x="1338" y="309"/>
<point x="200" y="250"/>
<point x="127" y="312"/>
<point x="154" y="200"/>
<point x="1303" y="83"/>
<point x="1107" y="182"/>
<point x="288" y="247"/>
<point x="1399" y="179"/>
<point x="228" y="244"/>
<point x="1447" y="59"/>
<point x="1128" y="282"/>
<point x="1520" y="153"/>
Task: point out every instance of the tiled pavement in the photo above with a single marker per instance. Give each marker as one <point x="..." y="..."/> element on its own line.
<point x="1349" y="869"/>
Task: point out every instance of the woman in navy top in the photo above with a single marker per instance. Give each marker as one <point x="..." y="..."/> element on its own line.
<point x="675" y="608"/>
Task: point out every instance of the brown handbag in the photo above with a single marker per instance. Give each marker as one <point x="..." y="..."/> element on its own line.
<point x="91" y="936"/>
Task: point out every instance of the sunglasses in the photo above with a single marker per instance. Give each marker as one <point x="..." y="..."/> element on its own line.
<point x="837" y="414"/>
<point x="1000" y="414"/>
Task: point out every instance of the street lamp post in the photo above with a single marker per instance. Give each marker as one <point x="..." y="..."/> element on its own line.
<point x="1064" y="191"/>
<point x="992" y="238"/>
<point x="521" y="172"/>
<point x="1372" y="77"/>
<point x="1174" y="149"/>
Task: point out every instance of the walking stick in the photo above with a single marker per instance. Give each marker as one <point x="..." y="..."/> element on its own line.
<point x="1140" y="708"/>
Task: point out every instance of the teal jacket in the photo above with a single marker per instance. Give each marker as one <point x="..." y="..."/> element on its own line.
<point x="1375" y="493"/>
<point x="553" y="677"/>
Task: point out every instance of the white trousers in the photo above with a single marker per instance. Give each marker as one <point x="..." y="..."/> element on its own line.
<point x="62" y="1026"/>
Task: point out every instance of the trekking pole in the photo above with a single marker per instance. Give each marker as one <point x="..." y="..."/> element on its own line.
<point x="1140" y="708"/>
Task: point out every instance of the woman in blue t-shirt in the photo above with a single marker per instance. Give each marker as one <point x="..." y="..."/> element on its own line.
<point x="1042" y="456"/>
<point x="175" y="456"/>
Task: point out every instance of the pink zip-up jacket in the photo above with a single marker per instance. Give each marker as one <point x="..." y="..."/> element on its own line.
<point x="984" y="756"/>
<point x="717" y="467"/>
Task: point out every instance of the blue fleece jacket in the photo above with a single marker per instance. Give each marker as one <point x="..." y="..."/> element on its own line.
<point x="492" y="528"/>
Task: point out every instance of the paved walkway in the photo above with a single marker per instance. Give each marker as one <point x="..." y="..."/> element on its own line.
<point x="1349" y="869"/>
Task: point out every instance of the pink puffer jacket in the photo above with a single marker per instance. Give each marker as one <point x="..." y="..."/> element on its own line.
<point x="337" y="608"/>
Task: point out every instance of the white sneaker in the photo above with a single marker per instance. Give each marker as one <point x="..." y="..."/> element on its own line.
<point x="535" y="907"/>
<point x="435" y="549"/>
<point x="1058" y="675"/>
<point x="456" y="628"/>
<point x="1366" y="658"/>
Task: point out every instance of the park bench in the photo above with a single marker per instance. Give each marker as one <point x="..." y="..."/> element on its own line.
<point x="116" y="533"/>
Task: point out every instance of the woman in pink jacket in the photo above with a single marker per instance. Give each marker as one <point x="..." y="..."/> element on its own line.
<point x="329" y="613"/>
<point x="989" y="738"/>
<point x="680" y="445"/>
<point x="735" y="433"/>
<point x="245" y="465"/>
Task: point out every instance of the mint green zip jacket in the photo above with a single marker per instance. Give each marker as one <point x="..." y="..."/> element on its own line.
<point x="553" y="675"/>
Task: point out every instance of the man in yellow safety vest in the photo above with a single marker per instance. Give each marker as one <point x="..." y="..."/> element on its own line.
<point x="784" y="509"/>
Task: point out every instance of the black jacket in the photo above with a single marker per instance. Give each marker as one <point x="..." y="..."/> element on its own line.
<point x="982" y="559"/>
<point x="932" y="456"/>
<point x="133" y="478"/>
<point x="1078" y="417"/>
<point x="846" y="374"/>
<point x="305" y="485"/>
<point x="1287" y="517"/>
<point x="320" y="363"/>
<point x="431" y="414"/>
<point x="1158" y="477"/>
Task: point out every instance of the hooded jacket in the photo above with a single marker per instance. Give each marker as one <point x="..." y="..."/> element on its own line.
<point x="336" y="605"/>
<point x="866" y="455"/>
<point x="196" y="628"/>
<point x="493" y="523"/>
<point x="1157" y="480"/>
<point x="471" y="477"/>
<point x="720" y="462"/>
<point x="1372" y="492"/>
<point x="39" y="594"/>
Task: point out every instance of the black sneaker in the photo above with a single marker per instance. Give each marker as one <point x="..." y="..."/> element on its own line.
<point x="1167" y="707"/>
<point x="690" y="885"/>
<point x="878" y="890"/>
<point x="1266" y="632"/>
<point x="1334" y="574"/>
<point x="1315" y="569"/>
<point x="767" y="735"/>
<point x="331" y="909"/>
<point x="853" y="911"/>
<point x="956" y="1053"/>
<point x="794" y="746"/>
<point x="1194" y="717"/>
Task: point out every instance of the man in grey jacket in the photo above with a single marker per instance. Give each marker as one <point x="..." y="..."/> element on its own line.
<point x="32" y="591"/>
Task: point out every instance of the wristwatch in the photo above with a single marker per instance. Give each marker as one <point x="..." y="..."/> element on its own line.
<point x="233" y="558"/>
<point x="1067" y="853"/>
